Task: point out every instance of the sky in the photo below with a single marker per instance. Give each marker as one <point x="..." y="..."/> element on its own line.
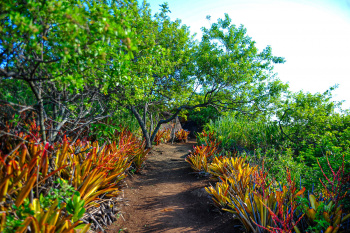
<point x="312" y="35"/>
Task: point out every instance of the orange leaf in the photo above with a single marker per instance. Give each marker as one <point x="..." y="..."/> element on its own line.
<point x="301" y="192"/>
<point x="167" y="210"/>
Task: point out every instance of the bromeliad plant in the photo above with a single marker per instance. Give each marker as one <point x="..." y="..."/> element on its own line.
<point x="134" y="148"/>
<point x="324" y="212"/>
<point x="24" y="174"/>
<point x="263" y="205"/>
<point x="234" y="176"/>
<point x="223" y="167"/>
<point x="202" y="156"/>
<point x="158" y="137"/>
<point x="246" y="192"/>
<point x="260" y="206"/>
<point x="205" y="137"/>
<point x="32" y="200"/>
<point x="33" y="217"/>
<point x="25" y="169"/>
<point x="91" y="170"/>
<point x="162" y="136"/>
<point x="279" y="207"/>
<point x="182" y="135"/>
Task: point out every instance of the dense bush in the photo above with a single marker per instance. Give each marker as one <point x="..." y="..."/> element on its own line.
<point x="243" y="132"/>
<point x="203" y="116"/>
<point x="107" y="130"/>
<point x="305" y="129"/>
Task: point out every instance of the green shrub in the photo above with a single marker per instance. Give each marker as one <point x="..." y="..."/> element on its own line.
<point x="305" y="129"/>
<point x="202" y="116"/>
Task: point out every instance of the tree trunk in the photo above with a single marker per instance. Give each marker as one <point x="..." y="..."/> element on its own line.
<point x="42" y="119"/>
<point x="54" y="124"/>
<point x="37" y="93"/>
<point x="151" y="123"/>
<point x="145" y="110"/>
<point x="143" y="126"/>
<point x="163" y="122"/>
<point x="172" y="135"/>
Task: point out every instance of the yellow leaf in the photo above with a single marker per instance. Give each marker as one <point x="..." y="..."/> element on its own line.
<point x="329" y="229"/>
<point x="313" y="201"/>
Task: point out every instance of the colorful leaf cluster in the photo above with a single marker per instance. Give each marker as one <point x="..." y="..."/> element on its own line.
<point x="162" y="136"/>
<point x="182" y="135"/>
<point x="133" y="147"/>
<point x="325" y="211"/>
<point x="29" y="170"/>
<point x="202" y="156"/>
<point x="263" y="205"/>
<point x="24" y="173"/>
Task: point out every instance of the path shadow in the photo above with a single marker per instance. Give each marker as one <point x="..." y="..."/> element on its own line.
<point x="193" y="215"/>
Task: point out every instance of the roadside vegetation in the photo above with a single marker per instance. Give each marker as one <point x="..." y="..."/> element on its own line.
<point x="85" y="87"/>
<point x="285" y="172"/>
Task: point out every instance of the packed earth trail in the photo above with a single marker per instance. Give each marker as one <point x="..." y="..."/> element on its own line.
<point x="168" y="197"/>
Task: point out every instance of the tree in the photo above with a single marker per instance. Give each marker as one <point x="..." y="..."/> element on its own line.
<point x="163" y="48"/>
<point x="224" y="70"/>
<point x="231" y="72"/>
<point x="60" y="50"/>
<point x="74" y="57"/>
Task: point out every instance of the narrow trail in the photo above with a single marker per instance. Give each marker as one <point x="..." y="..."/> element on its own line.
<point x="166" y="197"/>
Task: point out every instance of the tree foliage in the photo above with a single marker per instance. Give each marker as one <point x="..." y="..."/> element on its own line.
<point x="230" y="70"/>
<point x="68" y="53"/>
<point x="224" y="70"/>
<point x="81" y="60"/>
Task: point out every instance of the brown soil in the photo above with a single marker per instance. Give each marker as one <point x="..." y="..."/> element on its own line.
<point x="167" y="197"/>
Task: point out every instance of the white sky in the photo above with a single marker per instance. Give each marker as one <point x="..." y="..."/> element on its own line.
<point x="312" y="35"/>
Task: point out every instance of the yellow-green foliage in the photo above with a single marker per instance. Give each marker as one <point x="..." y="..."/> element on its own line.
<point x="201" y="157"/>
<point x="27" y="172"/>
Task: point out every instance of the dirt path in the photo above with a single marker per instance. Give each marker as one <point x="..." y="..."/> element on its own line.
<point x="165" y="197"/>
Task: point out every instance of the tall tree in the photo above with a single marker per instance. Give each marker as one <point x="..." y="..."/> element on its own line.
<point x="163" y="49"/>
<point x="232" y="73"/>
<point x="224" y="70"/>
